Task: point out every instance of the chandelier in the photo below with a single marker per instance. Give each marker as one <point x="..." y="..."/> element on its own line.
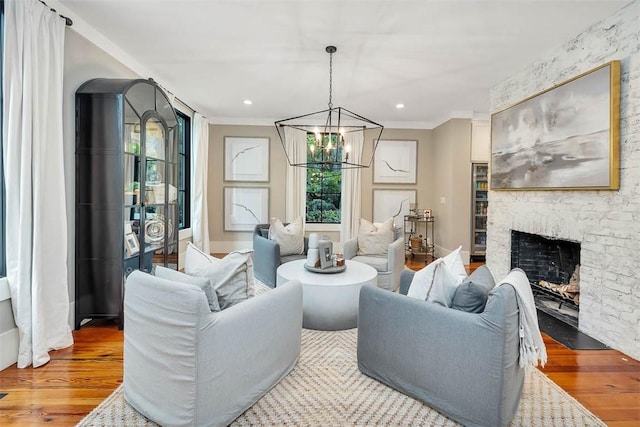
<point x="328" y="134"/>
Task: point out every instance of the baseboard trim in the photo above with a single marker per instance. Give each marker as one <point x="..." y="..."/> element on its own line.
<point x="9" y="341"/>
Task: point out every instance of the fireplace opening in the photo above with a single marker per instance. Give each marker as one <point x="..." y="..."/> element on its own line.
<point x="553" y="269"/>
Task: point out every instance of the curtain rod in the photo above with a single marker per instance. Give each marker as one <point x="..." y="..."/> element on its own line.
<point x="174" y="96"/>
<point x="67" y="21"/>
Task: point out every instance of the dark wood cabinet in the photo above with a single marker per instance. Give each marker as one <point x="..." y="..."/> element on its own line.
<point x="126" y="190"/>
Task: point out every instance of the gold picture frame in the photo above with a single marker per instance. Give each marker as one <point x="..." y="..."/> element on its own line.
<point x="564" y="138"/>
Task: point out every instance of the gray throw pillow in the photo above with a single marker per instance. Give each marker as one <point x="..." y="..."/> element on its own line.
<point x="201" y="282"/>
<point x="471" y="296"/>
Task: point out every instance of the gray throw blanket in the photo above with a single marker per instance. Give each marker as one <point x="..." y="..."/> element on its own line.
<point x="532" y="346"/>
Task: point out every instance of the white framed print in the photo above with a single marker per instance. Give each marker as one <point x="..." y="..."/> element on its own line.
<point x="395" y="162"/>
<point x="131" y="243"/>
<point x="245" y="207"/>
<point x="392" y="203"/>
<point x="246" y="159"/>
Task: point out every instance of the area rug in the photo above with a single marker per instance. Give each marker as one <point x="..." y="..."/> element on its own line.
<point x="327" y="389"/>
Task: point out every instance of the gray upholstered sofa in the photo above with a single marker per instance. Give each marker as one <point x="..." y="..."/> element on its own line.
<point x="465" y="365"/>
<point x="266" y="255"/>
<point x="185" y="365"/>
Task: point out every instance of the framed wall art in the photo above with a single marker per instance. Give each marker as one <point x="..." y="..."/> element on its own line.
<point x="392" y="203"/>
<point x="245" y="207"/>
<point x="395" y="162"/>
<point x="246" y="159"/>
<point x="565" y="138"/>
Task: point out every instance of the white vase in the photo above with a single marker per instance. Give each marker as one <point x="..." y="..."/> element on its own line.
<point x="312" y="257"/>
<point x="313" y="241"/>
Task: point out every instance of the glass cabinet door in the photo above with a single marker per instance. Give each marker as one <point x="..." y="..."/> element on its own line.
<point x="131" y="173"/>
<point x="480" y="204"/>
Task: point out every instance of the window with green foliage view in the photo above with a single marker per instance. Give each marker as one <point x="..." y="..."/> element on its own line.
<point x="324" y="186"/>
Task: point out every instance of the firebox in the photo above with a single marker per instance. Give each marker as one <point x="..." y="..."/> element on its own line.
<point x="553" y="269"/>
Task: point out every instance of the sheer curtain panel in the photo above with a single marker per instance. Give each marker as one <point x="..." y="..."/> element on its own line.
<point x="351" y="189"/>
<point x="296" y="185"/>
<point x="34" y="176"/>
<point x="199" y="205"/>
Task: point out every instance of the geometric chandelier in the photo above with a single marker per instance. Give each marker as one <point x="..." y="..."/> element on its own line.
<point x="325" y="144"/>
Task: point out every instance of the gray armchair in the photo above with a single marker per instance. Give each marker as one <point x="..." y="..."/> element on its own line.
<point x="185" y="365"/>
<point x="266" y="255"/>
<point x="465" y="365"/>
<point x="389" y="266"/>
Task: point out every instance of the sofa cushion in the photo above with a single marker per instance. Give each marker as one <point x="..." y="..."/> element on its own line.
<point x="291" y="258"/>
<point x="290" y="238"/>
<point x="378" y="262"/>
<point x="471" y="296"/>
<point x="374" y="238"/>
<point x="231" y="277"/>
<point x="201" y="282"/>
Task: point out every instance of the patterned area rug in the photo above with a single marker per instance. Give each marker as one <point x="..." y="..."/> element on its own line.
<point x="326" y="388"/>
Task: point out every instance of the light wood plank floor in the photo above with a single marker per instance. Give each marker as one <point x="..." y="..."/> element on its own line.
<point x="78" y="378"/>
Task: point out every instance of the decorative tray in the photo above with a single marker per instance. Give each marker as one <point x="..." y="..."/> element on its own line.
<point x="328" y="270"/>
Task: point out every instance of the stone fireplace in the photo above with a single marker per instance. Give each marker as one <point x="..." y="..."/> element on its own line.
<point x="606" y="223"/>
<point x="552" y="266"/>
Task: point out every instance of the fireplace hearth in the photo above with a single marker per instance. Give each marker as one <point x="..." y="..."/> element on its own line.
<point x="553" y="269"/>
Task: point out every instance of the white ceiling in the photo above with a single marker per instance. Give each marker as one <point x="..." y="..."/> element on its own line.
<point x="439" y="58"/>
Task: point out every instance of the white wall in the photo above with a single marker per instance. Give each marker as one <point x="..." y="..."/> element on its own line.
<point x="225" y="241"/>
<point x="452" y="186"/>
<point x="607" y="223"/>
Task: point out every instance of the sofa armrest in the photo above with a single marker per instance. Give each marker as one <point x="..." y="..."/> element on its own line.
<point x="246" y="349"/>
<point x="266" y="259"/>
<point x="441" y="355"/>
<point x="350" y="248"/>
<point x="396" y="260"/>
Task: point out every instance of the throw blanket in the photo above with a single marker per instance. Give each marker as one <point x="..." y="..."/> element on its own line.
<point x="532" y="346"/>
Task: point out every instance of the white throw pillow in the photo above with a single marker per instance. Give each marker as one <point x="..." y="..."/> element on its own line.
<point x="456" y="265"/>
<point x="290" y="238"/>
<point x="374" y="238"/>
<point x="423" y="280"/>
<point x="436" y="282"/>
<point x="231" y="277"/>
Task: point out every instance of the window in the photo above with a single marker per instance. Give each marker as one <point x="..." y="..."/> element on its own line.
<point x="324" y="187"/>
<point x="184" y="170"/>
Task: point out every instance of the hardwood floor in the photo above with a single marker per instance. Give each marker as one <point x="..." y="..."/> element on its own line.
<point x="78" y="378"/>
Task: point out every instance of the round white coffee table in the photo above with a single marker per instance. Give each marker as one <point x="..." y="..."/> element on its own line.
<point x="329" y="301"/>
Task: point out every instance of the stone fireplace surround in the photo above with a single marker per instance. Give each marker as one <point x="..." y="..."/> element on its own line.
<point x="606" y="223"/>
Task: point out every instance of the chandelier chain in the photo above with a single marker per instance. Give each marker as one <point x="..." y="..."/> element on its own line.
<point x="330" y="78"/>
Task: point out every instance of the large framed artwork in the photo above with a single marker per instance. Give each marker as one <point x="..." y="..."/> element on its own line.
<point x="395" y="162"/>
<point x="565" y="138"/>
<point x="245" y="207"/>
<point x="246" y="159"/>
<point x="392" y="203"/>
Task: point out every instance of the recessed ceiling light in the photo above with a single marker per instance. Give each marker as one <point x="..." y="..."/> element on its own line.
<point x="398" y="106"/>
<point x="248" y="102"/>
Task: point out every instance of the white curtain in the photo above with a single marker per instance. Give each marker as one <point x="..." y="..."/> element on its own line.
<point x="36" y="217"/>
<point x="351" y="188"/>
<point x="199" y="205"/>
<point x="296" y="185"/>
